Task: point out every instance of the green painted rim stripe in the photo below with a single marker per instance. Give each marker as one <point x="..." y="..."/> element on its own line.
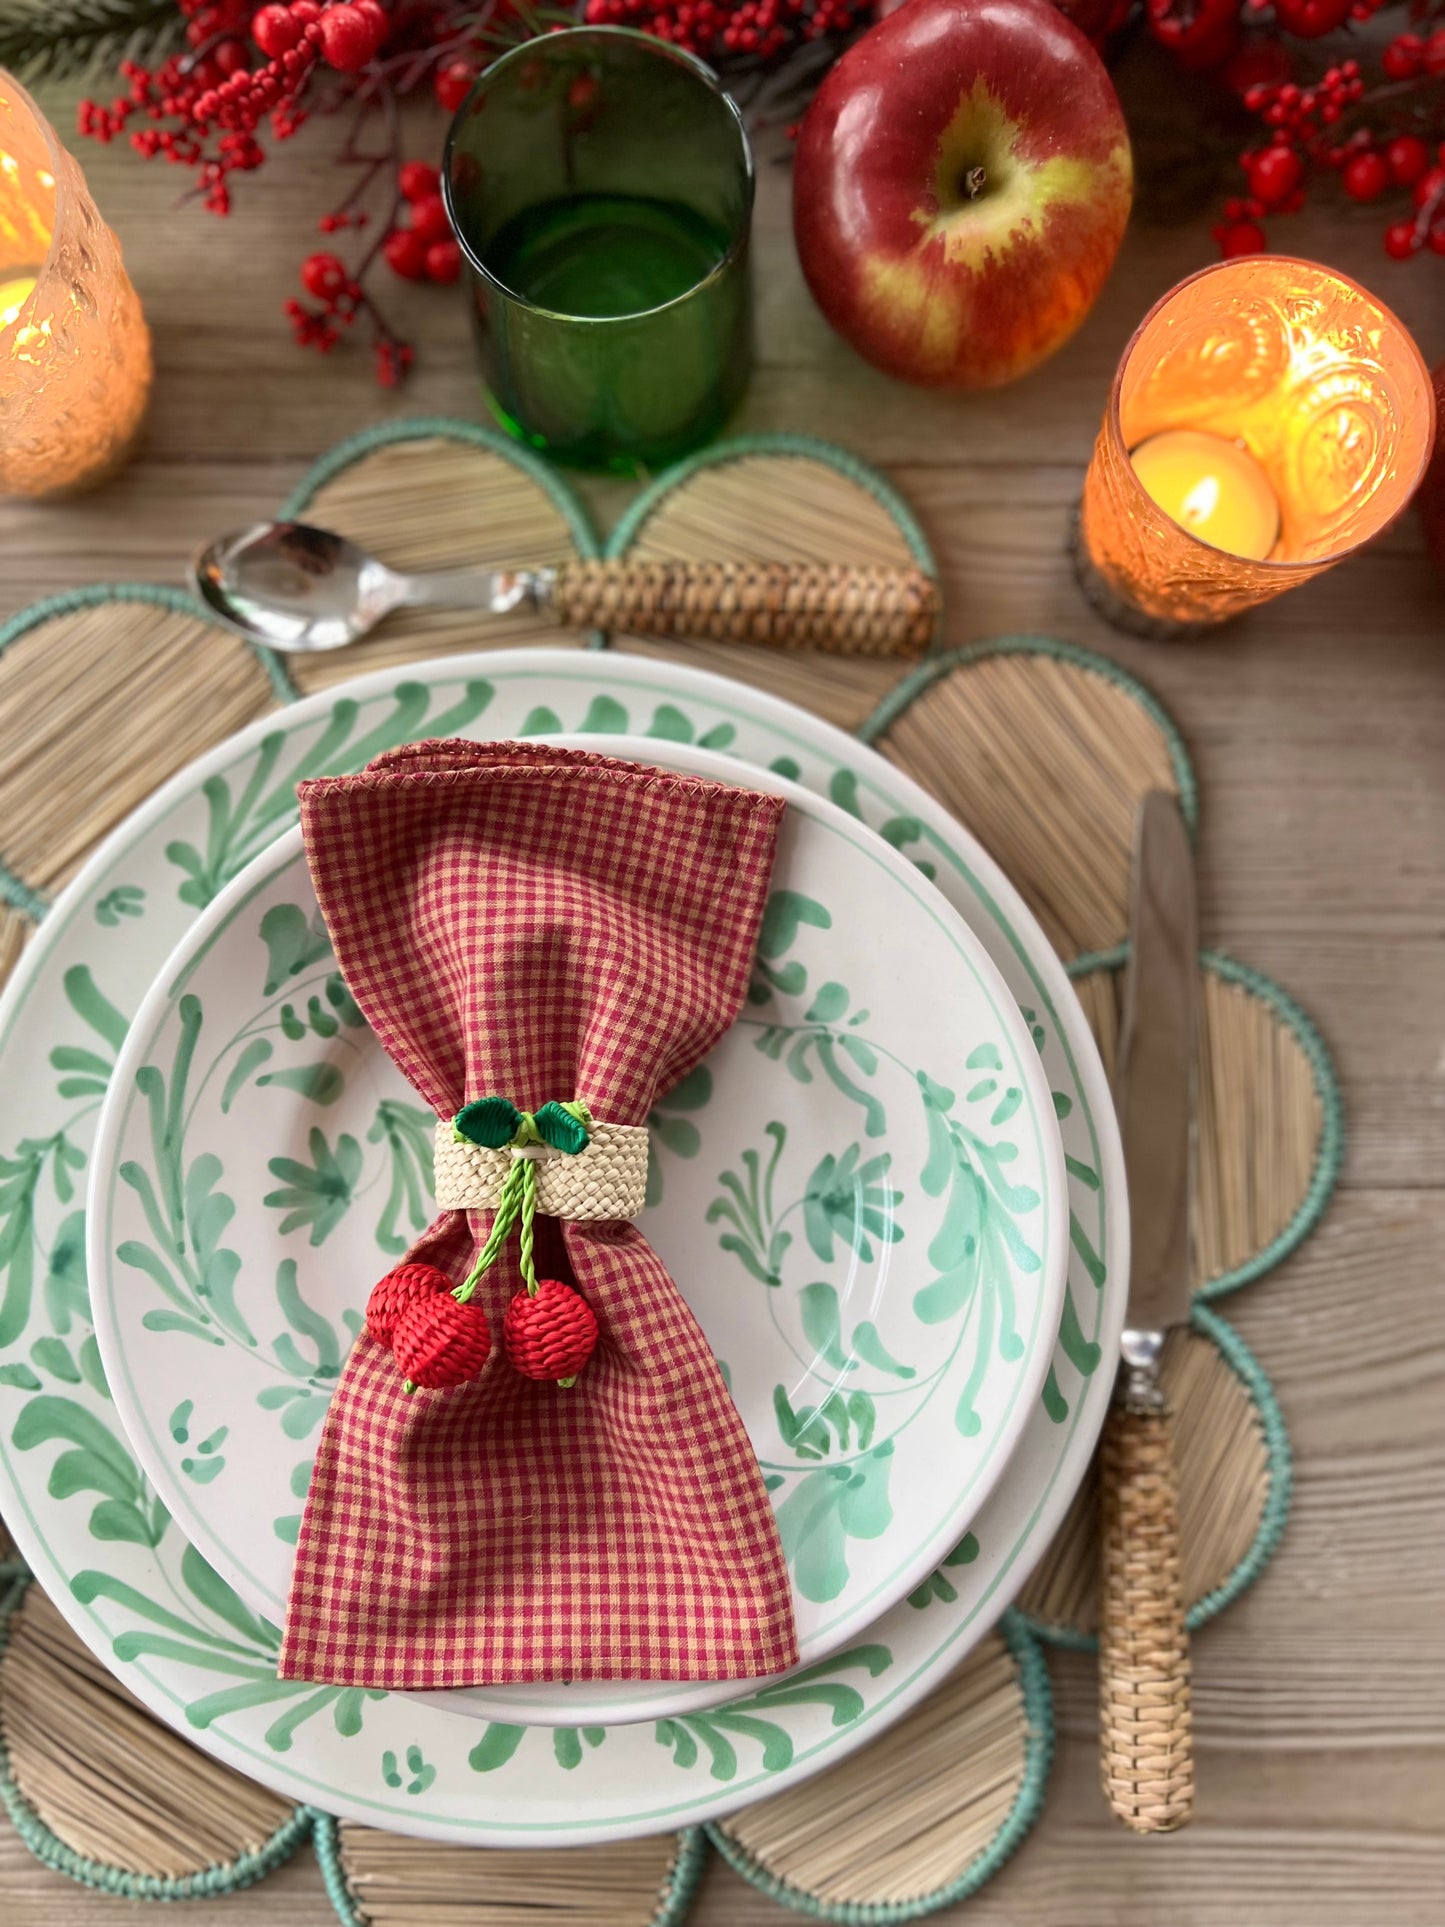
<point x="673" y="1901"/>
<point x="1279" y="1462"/>
<point x="47" y="1847"/>
<point x="1033" y="1681"/>
<point x="912" y="687"/>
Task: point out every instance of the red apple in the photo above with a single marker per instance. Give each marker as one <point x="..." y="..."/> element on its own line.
<point x="961" y="185"/>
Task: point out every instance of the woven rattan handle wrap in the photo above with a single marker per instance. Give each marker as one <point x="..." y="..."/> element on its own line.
<point x="781" y="605"/>
<point x="1146" y="1722"/>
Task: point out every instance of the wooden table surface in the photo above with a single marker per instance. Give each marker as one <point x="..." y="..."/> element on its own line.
<point x="1318" y="730"/>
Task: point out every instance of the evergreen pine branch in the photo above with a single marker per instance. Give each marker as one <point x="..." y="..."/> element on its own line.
<point x="59" y="37"/>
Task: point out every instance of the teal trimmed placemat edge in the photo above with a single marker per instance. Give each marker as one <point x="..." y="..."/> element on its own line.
<point x="913" y="685"/>
<point x="226" y="1877"/>
<point x="673" y="1901"/>
<point x="812" y="448"/>
<point x="1033" y="1681"/>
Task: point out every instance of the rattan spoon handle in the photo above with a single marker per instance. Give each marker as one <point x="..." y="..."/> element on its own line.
<point x="780" y="605"/>
<point x="1146" y="1722"/>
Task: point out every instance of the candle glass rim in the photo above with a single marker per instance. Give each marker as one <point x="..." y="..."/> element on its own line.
<point x="57" y="173"/>
<point x="1113" y="421"/>
<point x="659" y="49"/>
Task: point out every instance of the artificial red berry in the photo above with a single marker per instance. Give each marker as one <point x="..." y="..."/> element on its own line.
<point x="453" y="83"/>
<point x="1401" y="59"/>
<point x="306" y="13"/>
<point x="1428" y="186"/>
<point x="551" y="1334"/>
<point x="443" y="261"/>
<point x="1274" y="174"/>
<point x="349" y="37"/>
<point x="231" y="58"/>
<point x="397" y="1292"/>
<point x="1401" y="240"/>
<point x="429" y="219"/>
<point x="1366" y="177"/>
<point x="440" y="1342"/>
<point x="1408" y="159"/>
<point x="405" y="253"/>
<point x="1432" y="59"/>
<point x="274" y="29"/>
<point x="1240" y="237"/>
<point x="417" y="180"/>
<point x="376" y="13"/>
<point x="1309" y="19"/>
<point x="325" y="276"/>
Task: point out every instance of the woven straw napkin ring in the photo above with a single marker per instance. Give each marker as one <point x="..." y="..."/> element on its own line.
<point x="493" y="1157"/>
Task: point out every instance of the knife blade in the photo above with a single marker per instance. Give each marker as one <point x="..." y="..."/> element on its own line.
<point x="1146" y="1720"/>
<point x="1155" y="1078"/>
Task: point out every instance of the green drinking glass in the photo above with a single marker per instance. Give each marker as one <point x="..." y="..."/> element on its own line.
<point x="600" y="183"/>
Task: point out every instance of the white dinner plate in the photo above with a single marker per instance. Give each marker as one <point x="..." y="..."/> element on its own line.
<point x="864" y="1207"/>
<point x="91" y="1526"/>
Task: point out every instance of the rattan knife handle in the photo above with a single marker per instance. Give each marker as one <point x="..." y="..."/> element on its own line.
<point x="780" y="605"/>
<point x="1146" y="1722"/>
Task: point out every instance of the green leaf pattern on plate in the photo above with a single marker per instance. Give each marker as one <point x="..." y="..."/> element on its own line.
<point x="154" y="1600"/>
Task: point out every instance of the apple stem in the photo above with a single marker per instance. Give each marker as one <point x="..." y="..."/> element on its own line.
<point x="974" y="182"/>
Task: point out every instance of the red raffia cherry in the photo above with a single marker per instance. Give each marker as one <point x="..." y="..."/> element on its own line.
<point x="1366" y="177"/>
<point x="549" y="1335"/>
<point x="1274" y="174"/>
<point x="1402" y="239"/>
<point x="440" y="1342"/>
<point x="1408" y="159"/>
<point x="443" y="261"/>
<point x="397" y="1292"/>
<point x="405" y="253"/>
<point x="453" y="83"/>
<point x="417" y="180"/>
<point x="349" y="37"/>
<point x="429" y="219"/>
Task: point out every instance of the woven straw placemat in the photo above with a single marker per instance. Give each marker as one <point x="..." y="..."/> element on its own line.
<point x="1043" y="752"/>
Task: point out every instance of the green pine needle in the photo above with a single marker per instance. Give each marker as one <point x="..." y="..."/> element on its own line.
<point x="55" y="38"/>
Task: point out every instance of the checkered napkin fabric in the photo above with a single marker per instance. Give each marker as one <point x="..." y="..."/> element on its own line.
<point x="541" y="924"/>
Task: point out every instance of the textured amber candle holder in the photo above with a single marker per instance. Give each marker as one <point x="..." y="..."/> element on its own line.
<point x="75" y="360"/>
<point x="1320" y="382"/>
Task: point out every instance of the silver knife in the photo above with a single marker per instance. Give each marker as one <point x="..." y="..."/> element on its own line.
<point x="1146" y="1734"/>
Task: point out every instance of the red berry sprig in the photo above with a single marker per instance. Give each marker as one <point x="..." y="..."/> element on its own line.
<point x="1376" y="137"/>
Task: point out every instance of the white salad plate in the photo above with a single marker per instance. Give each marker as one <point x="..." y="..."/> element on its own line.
<point x="839" y="1190"/>
<point x="90" y="1524"/>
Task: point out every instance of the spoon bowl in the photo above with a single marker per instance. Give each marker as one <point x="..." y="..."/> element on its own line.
<point x="294" y="587"/>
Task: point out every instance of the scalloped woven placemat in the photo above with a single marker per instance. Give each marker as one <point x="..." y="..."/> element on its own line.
<point x="1042" y="751"/>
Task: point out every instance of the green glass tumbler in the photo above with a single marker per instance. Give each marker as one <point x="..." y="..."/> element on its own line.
<point x="600" y="183"/>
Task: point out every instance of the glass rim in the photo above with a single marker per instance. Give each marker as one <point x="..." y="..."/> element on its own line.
<point x="1240" y="264"/>
<point x="21" y="96"/>
<point x="657" y="49"/>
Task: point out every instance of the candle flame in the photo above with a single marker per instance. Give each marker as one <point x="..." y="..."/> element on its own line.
<point x="1201" y="501"/>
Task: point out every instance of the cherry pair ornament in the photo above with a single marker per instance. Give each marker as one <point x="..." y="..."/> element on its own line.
<point x="439" y="1334"/>
<point x="441" y="1340"/>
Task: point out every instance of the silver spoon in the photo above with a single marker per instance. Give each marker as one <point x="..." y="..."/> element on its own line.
<point x="298" y="588"/>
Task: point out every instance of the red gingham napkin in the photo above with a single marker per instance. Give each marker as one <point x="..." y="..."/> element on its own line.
<point x="541" y="924"/>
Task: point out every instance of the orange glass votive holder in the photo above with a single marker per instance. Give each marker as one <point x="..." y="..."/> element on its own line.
<point x="75" y="352"/>
<point x="1298" y="365"/>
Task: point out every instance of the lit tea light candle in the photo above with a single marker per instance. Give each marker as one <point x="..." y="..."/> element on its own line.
<point x="75" y="357"/>
<point x="1278" y="417"/>
<point x="1213" y="488"/>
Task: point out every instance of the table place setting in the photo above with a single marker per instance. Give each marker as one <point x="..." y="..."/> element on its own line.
<point x="619" y="1151"/>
